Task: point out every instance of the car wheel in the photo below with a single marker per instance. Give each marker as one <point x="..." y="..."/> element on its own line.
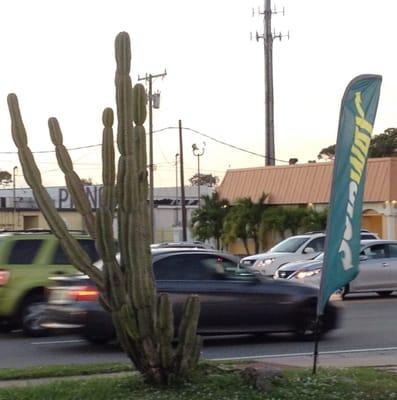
<point x="342" y="292"/>
<point x="385" y="293"/>
<point x="305" y="329"/>
<point x="97" y="339"/>
<point x="31" y="316"/>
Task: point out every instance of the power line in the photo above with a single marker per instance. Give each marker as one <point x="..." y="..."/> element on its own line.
<point x="53" y="151"/>
<point x="157" y="131"/>
<point x="220" y="142"/>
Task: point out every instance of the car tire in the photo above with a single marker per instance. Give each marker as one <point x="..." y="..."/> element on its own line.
<point x="342" y="292"/>
<point x="31" y="315"/>
<point x="305" y="329"/>
<point x="385" y="293"/>
<point x="97" y="339"/>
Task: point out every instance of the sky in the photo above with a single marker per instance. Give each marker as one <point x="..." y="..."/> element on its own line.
<point x="58" y="57"/>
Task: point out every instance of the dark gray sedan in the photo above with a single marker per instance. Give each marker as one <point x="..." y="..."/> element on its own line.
<point x="232" y="300"/>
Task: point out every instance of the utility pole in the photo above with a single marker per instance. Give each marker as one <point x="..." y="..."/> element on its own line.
<point x="176" y="190"/>
<point x="149" y="78"/>
<point x="14" y="214"/>
<point x="268" y="38"/>
<point x="183" y="206"/>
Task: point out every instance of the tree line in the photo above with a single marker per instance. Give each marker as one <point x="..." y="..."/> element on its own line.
<point x="249" y="220"/>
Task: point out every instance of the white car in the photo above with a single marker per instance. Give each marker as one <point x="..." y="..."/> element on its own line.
<point x="294" y="248"/>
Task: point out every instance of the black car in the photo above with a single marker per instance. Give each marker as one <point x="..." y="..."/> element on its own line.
<point x="232" y="300"/>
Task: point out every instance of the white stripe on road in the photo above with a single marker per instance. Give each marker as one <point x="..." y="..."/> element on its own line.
<point x="369" y="350"/>
<point x="307" y="354"/>
<point x="59" y="342"/>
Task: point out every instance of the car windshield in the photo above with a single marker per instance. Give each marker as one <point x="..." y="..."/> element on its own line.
<point x="290" y="245"/>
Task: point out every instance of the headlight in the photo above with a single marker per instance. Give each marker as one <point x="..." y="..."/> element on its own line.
<point x="264" y="263"/>
<point x="307" y="274"/>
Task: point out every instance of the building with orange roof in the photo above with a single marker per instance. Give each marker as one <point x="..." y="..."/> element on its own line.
<point x="310" y="185"/>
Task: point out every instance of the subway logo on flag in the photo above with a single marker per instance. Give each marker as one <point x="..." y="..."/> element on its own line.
<point x="358" y="156"/>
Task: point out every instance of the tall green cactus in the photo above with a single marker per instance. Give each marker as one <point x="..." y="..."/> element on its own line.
<point x="143" y="320"/>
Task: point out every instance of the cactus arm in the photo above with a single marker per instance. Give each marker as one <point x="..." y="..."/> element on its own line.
<point x="33" y="177"/>
<point x="73" y="182"/>
<point x="105" y="240"/>
<point x="131" y="214"/>
<point x="124" y="134"/>
<point x="165" y="329"/>
<point x="188" y="350"/>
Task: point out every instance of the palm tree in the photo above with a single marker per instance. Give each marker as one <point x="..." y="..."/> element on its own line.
<point x="293" y="219"/>
<point x="275" y="219"/>
<point x="234" y="227"/>
<point x="207" y="221"/>
<point x="316" y="220"/>
<point x="244" y="221"/>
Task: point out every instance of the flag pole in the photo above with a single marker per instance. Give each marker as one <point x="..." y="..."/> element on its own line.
<point x="316" y="339"/>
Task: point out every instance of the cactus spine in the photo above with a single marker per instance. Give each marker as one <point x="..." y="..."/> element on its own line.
<point x="143" y="321"/>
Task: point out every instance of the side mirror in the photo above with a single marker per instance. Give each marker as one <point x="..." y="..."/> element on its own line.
<point x="308" y="250"/>
<point x="363" y="257"/>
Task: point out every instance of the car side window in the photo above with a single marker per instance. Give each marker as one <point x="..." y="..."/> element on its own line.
<point x="187" y="267"/>
<point x="375" y="251"/>
<point x="24" y="251"/>
<point x="60" y="257"/>
<point x="89" y="247"/>
<point x="317" y="244"/>
<point x="217" y="267"/>
<point x="392" y="250"/>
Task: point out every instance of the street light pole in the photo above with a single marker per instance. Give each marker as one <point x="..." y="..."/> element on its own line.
<point x="198" y="153"/>
<point x="14" y="198"/>
<point x="176" y="190"/>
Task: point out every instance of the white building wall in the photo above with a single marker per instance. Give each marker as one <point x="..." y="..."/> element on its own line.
<point x="167" y="226"/>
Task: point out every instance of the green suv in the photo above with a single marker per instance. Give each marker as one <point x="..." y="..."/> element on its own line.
<point x="27" y="260"/>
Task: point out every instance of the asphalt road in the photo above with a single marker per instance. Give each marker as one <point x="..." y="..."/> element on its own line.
<point x="368" y="326"/>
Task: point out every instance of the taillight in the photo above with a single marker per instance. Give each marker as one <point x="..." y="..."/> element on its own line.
<point x="84" y="293"/>
<point x="4" y="276"/>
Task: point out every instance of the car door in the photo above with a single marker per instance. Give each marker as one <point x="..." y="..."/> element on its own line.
<point x="393" y="265"/>
<point x="25" y="273"/>
<point x="374" y="271"/>
<point x="226" y="304"/>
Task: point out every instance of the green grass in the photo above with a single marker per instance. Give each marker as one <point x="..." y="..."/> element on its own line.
<point x="211" y="383"/>
<point x="63" y="370"/>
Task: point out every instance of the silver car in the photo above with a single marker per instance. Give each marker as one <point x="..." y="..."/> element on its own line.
<point x="377" y="269"/>
<point x="294" y="248"/>
<point x="300" y="247"/>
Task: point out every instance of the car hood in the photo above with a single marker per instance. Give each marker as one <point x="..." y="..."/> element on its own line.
<point x="264" y="256"/>
<point x="304" y="264"/>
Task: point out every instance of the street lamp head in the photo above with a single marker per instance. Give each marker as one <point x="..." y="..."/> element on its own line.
<point x="197" y="151"/>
